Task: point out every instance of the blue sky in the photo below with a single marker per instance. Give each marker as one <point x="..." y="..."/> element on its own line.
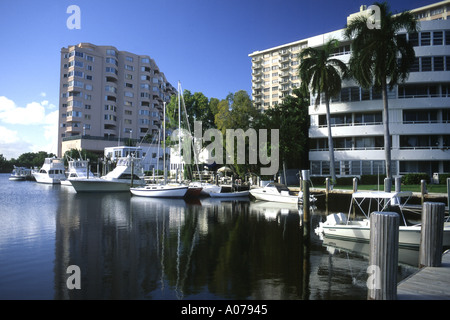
<point x="202" y="43"/>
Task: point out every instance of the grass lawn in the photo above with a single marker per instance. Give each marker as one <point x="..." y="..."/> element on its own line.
<point x="432" y="188"/>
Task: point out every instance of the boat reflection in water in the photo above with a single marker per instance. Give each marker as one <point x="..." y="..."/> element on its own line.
<point x="131" y="247"/>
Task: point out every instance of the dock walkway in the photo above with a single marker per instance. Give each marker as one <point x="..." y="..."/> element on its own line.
<point x="429" y="283"/>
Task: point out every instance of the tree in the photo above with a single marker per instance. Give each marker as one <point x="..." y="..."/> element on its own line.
<point x="197" y="106"/>
<point x="292" y="120"/>
<point x="322" y="75"/>
<point x="33" y="159"/>
<point x="5" y="165"/>
<point x="380" y="58"/>
<point x="237" y="112"/>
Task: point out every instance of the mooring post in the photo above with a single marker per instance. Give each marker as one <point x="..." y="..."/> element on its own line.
<point x="383" y="260"/>
<point x="398" y="184"/>
<point x="327" y="188"/>
<point x="448" y="193"/>
<point x="432" y="234"/>
<point x="305" y="187"/>
<point x="355" y="189"/>
<point x="387" y="185"/>
<point x="423" y="190"/>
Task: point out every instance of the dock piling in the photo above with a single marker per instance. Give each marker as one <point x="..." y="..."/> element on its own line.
<point x="448" y="192"/>
<point x="423" y="190"/>
<point x="383" y="261"/>
<point x="432" y="234"/>
<point x="306" y="205"/>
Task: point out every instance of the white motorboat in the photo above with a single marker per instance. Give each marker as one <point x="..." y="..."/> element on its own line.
<point x="77" y="169"/>
<point x="277" y="192"/>
<point x="127" y="173"/>
<point x="20" y="174"/>
<point x="51" y="172"/>
<point x="339" y="226"/>
<point x="160" y="191"/>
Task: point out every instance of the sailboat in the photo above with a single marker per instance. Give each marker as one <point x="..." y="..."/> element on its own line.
<point x="161" y="190"/>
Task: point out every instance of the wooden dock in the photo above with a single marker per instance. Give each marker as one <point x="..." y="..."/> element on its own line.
<point x="429" y="283"/>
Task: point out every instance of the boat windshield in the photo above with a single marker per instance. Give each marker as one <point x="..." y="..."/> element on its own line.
<point x="278" y="186"/>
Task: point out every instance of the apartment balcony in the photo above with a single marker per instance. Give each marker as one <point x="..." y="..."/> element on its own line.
<point x="256" y="66"/>
<point x="111" y="79"/>
<point x="346" y="130"/>
<point x="421" y="153"/>
<point x="285" y="52"/>
<point x="348" y="154"/>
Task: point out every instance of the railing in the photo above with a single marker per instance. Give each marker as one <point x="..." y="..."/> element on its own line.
<point x="110" y="138"/>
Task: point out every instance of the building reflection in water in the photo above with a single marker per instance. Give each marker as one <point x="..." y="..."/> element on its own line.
<point x="137" y="248"/>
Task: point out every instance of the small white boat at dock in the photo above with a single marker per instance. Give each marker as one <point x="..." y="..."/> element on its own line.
<point x="340" y="226"/>
<point x="277" y="192"/>
<point x="160" y="191"/>
<point x="20" y="174"/>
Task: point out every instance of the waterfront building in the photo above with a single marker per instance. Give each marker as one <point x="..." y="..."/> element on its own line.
<point x="419" y="109"/>
<point x="106" y="96"/>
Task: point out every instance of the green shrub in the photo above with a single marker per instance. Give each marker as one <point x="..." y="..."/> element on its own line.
<point x="345" y="181"/>
<point x="443" y="178"/>
<point x="372" y="179"/>
<point x="415" y="178"/>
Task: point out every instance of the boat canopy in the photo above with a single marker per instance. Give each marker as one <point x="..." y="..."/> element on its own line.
<point x="383" y="200"/>
<point x="381" y="194"/>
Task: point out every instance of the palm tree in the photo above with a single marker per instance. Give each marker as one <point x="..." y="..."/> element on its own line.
<point x="322" y="75"/>
<point x="380" y="58"/>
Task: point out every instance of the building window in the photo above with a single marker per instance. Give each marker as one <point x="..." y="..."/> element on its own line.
<point x="419" y="116"/>
<point x="426" y="63"/>
<point x="419" y="142"/>
<point x="425" y="38"/>
<point x="111" y="52"/>
<point x="437" y="38"/>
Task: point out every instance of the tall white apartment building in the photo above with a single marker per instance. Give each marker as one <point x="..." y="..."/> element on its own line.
<point x="107" y="94"/>
<point x="419" y="109"/>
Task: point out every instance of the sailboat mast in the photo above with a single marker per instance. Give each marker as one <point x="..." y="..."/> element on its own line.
<point x="179" y="128"/>
<point x="164" y="143"/>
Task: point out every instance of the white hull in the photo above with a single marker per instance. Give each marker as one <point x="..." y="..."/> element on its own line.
<point x="46" y="178"/>
<point x="102" y="185"/>
<point x="52" y="171"/>
<point x="17" y="178"/>
<point x="66" y="182"/>
<point x="409" y="236"/>
<point x="160" y="191"/>
<point x="229" y="194"/>
<point x="259" y="194"/>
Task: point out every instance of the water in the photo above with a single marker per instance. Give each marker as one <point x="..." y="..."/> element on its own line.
<point x="129" y="247"/>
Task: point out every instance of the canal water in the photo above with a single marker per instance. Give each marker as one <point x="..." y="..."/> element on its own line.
<point x="129" y="247"/>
